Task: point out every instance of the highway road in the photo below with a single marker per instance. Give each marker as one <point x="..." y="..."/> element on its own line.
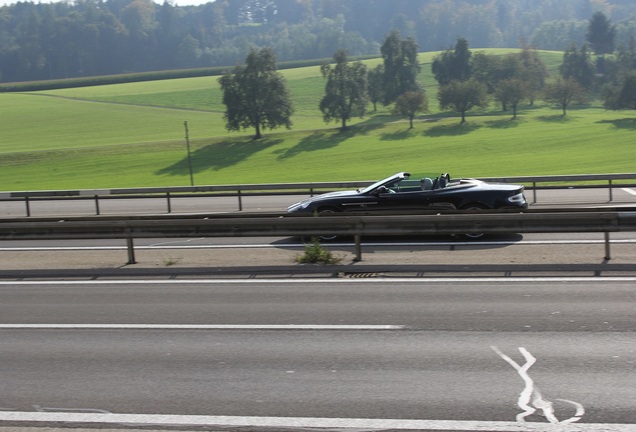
<point x="429" y="353"/>
<point x="491" y="352"/>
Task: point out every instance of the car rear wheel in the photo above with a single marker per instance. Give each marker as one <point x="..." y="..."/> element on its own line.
<point x="474" y="207"/>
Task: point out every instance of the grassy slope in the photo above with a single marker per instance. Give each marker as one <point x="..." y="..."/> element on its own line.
<point x="72" y="139"/>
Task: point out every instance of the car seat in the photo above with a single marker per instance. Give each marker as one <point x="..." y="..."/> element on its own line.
<point x="426" y="184"/>
<point x="443" y="180"/>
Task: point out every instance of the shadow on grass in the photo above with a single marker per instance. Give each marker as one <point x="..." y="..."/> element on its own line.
<point x="556" y="118"/>
<point x="219" y="155"/>
<point x="625" y="123"/>
<point x="398" y="135"/>
<point x="503" y="123"/>
<point x="452" y="129"/>
<point x="319" y="140"/>
<point x="325" y="139"/>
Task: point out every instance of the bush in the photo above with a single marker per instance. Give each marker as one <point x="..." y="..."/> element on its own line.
<point x="315" y="253"/>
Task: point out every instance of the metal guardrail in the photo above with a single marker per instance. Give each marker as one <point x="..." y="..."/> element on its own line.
<point x="560" y="179"/>
<point x="307" y="226"/>
<point x="242" y="190"/>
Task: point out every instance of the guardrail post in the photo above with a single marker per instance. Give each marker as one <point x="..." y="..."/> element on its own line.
<point x="131" y="250"/>
<point x="240" y="200"/>
<point x="608" y="255"/>
<point x="169" y="203"/>
<point x="28" y="207"/>
<point x="358" y="248"/>
<point x="534" y="192"/>
<point x="97" y="205"/>
<point x="611" y="192"/>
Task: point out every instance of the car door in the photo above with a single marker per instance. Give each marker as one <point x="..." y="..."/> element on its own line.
<point x="409" y="200"/>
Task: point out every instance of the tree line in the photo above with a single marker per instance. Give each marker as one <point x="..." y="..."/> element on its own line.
<point x="255" y="95"/>
<point x="42" y="41"/>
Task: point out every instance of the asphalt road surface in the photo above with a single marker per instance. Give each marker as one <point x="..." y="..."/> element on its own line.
<point x="499" y="352"/>
<point x="496" y="352"/>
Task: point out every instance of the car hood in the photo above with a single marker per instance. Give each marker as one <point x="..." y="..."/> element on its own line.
<point x="321" y="197"/>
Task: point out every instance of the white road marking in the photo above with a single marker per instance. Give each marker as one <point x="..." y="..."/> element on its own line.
<point x="324" y="280"/>
<point x="161" y="246"/>
<point x="203" y="326"/>
<point x="308" y="422"/>
<point x="629" y="191"/>
<point x="532" y="395"/>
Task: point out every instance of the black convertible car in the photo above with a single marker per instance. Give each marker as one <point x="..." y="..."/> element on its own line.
<point x="399" y="192"/>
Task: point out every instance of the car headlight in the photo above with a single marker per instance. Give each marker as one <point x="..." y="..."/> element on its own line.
<point x="297" y="207"/>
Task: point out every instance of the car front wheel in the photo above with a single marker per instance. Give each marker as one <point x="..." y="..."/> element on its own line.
<point x="323" y="212"/>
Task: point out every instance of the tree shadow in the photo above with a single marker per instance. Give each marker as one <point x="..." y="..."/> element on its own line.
<point x="219" y="155"/>
<point x="396" y="136"/>
<point x="556" y="118"/>
<point x="325" y="139"/>
<point x="452" y="129"/>
<point x="503" y="123"/>
<point x="624" y="123"/>
<point x="319" y="140"/>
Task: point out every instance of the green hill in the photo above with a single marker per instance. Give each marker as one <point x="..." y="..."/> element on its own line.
<point x="133" y="135"/>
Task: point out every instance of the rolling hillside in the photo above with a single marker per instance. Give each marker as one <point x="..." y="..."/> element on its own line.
<point x="133" y="135"/>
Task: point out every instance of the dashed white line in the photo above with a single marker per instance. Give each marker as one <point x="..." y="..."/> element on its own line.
<point x="308" y="422"/>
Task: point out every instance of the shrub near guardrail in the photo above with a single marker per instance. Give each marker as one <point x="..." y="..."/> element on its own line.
<point x="315" y="253"/>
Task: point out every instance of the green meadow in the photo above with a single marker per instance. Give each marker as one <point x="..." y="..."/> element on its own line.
<point x="133" y="135"/>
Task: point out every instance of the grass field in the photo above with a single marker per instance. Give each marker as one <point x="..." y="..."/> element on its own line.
<point x="133" y="135"/>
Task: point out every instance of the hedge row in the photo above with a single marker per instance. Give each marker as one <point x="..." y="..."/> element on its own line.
<point x="143" y="76"/>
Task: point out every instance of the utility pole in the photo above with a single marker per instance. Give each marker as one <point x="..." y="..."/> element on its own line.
<point x="187" y="137"/>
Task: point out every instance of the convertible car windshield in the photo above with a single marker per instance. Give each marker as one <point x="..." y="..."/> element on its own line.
<point x="387" y="182"/>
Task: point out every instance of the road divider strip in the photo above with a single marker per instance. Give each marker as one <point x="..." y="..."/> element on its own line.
<point x="305" y="422"/>
<point x="318" y="280"/>
<point x="199" y="327"/>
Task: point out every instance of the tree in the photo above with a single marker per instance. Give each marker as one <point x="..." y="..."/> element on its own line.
<point x="627" y="55"/>
<point x="462" y="96"/>
<point x="622" y="95"/>
<point x="563" y="92"/>
<point x="346" y="90"/>
<point x="577" y="65"/>
<point x="376" y="85"/>
<point x="409" y="104"/>
<point x="601" y="35"/>
<point x="492" y="69"/>
<point x="534" y="71"/>
<point x="255" y="95"/>
<point x="400" y="66"/>
<point x="511" y="92"/>
<point x="453" y="65"/>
